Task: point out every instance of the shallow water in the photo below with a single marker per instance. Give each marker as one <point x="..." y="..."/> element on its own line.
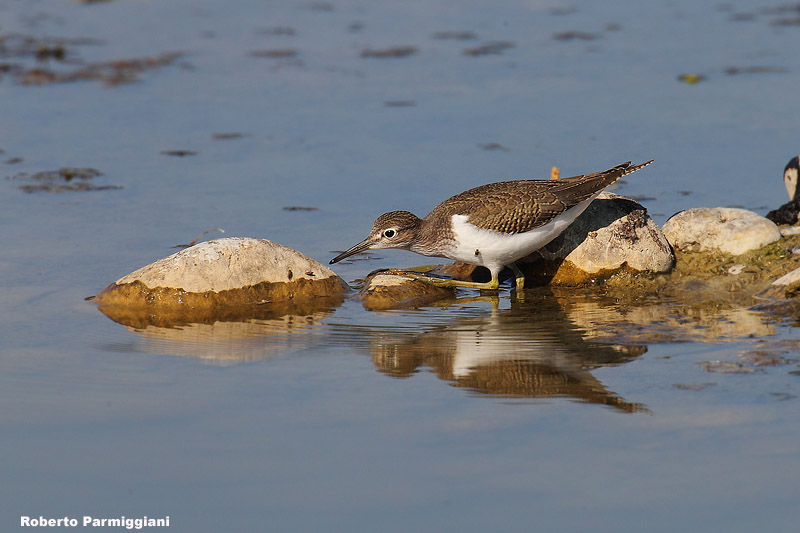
<point x="563" y="411"/>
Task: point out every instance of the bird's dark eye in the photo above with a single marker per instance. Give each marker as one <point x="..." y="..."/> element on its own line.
<point x="389" y="233"/>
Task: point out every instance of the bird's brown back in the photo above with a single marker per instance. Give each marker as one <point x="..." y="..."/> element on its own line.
<point x="523" y="205"/>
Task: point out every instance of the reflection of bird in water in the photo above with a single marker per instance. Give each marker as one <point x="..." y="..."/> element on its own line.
<point x="532" y="352"/>
<point x="789" y="212"/>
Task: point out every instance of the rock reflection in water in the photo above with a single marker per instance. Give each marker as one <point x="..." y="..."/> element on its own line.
<point x="526" y="352"/>
<point x="232" y="336"/>
<point x="661" y="320"/>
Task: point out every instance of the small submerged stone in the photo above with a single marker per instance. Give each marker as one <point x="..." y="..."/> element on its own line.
<point x="392" y="289"/>
<point x="220" y="275"/>
<point x="725" y="229"/>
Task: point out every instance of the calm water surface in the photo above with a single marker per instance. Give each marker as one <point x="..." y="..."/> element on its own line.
<point x="559" y="412"/>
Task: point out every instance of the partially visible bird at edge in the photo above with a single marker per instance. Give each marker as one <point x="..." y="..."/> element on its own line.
<point x="789" y="212"/>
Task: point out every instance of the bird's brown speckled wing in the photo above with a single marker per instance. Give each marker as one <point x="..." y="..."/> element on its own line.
<point x="520" y="206"/>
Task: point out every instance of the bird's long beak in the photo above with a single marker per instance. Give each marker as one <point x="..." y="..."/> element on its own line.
<point x="357" y="249"/>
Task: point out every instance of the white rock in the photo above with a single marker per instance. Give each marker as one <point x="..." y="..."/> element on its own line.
<point x="218" y="276"/>
<point x="791" y="278"/>
<point x="735" y="270"/>
<point x="229" y="263"/>
<point x="614" y="231"/>
<point x="790" y="230"/>
<point x="726" y="229"/>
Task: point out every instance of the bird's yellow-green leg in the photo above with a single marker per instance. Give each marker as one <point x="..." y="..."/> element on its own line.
<point x="492" y="284"/>
<point x="520" y="277"/>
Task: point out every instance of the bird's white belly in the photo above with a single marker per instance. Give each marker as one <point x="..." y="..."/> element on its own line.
<point x="494" y="249"/>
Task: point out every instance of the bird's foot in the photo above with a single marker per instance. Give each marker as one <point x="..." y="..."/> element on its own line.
<point x="519" y="276"/>
<point x="492" y="285"/>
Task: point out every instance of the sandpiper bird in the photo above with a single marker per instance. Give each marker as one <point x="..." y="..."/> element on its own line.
<point x="492" y="225"/>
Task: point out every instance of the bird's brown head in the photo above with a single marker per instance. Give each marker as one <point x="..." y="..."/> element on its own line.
<point x="396" y="229"/>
